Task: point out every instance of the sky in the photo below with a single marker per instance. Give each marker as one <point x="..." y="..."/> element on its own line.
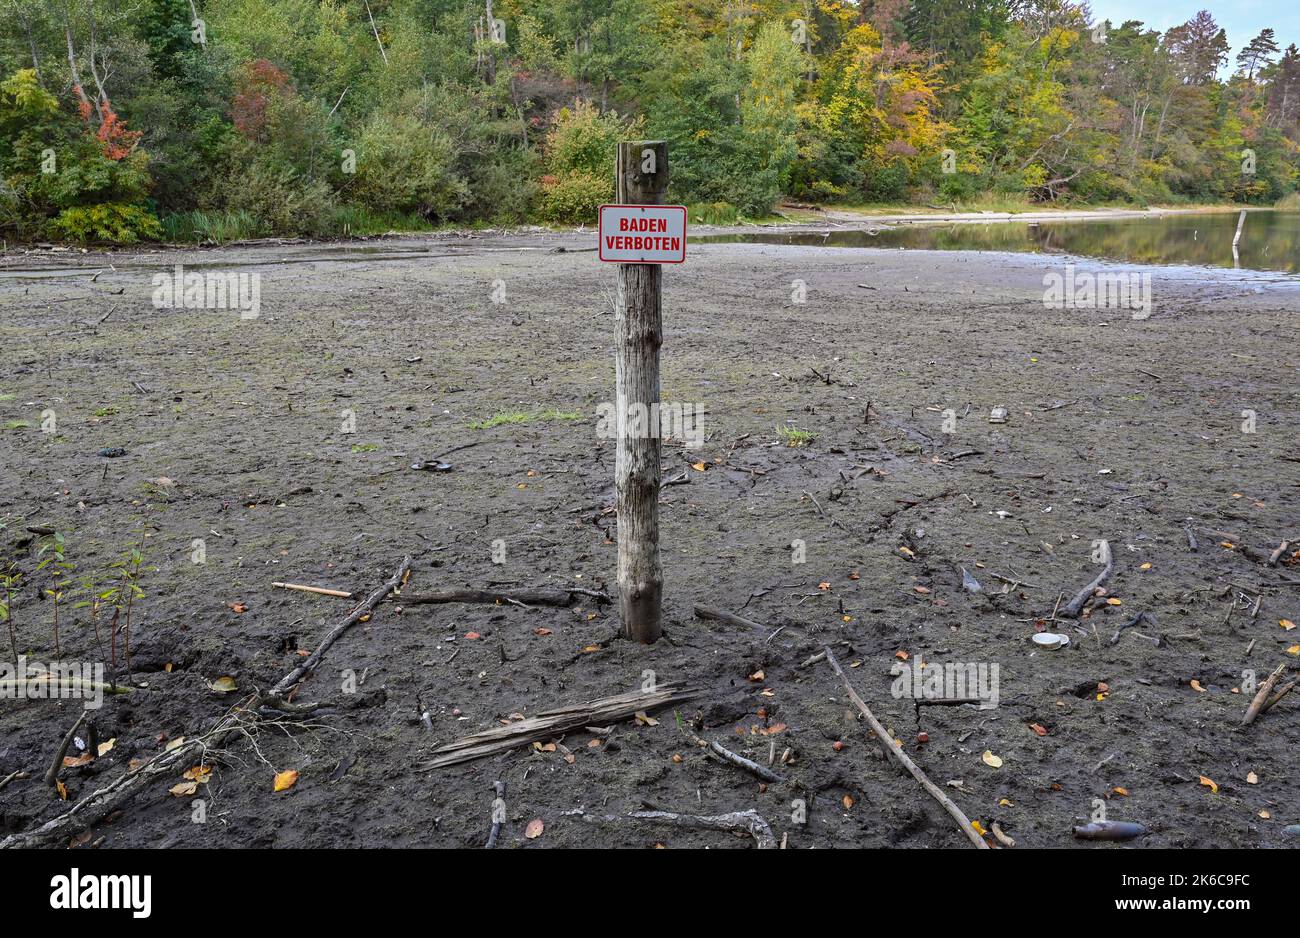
<point x="1243" y="19"/>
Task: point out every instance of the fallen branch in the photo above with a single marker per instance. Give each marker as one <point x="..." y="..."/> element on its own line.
<point x="1281" y="692"/>
<point x="366" y="607"/>
<point x="730" y="618"/>
<point x="1261" y="696"/>
<point x="1072" y="609"/>
<point x="897" y="752"/>
<point x="11" y="777"/>
<point x="52" y="774"/>
<point x="552" y="723"/>
<point x="103" y="801"/>
<point x="740" y="762"/>
<point x="750" y="821"/>
<point x="1277" y="554"/>
<point x="500" y="788"/>
<point x="527" y="597"/>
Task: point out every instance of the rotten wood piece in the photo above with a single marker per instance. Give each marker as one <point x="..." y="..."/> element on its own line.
<point x="552" y="723"/>
<point x="1072" y="609"/>
<point x="750" y="821"/>
<point x="1262" y="695"/>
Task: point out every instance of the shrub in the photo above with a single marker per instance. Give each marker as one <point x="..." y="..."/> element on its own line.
<point x="573" y="198"/>
<point x="114" y="222"/>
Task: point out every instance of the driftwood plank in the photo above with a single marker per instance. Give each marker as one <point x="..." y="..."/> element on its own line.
<point x="554" y="722"/>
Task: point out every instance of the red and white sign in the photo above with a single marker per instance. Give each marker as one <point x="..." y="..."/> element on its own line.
<point x="643" y="234"/>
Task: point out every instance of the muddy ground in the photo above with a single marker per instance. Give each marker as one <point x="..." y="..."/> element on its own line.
<point x="1119" y="429"/>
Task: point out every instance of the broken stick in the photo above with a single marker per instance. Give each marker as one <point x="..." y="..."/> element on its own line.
<point x="320" y="590"/>
<point x="1072" y="609"/>
<point x="750" y="821"/>
<point x="52" y="776"/>
<point x="366" y="607"/>
<point x="1261" y="696"/>
<point x="726" y="755"/>
<point x="897" y="752"/>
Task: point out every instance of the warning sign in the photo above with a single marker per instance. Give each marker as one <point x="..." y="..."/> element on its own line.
<point x="643" y="234"/>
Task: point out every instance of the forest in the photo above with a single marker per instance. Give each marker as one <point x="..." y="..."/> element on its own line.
<point x="188" y="121"/>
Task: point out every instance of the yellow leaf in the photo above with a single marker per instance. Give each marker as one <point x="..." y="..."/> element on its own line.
<point x="979" y="828"/>
<point x="1293" y="650"/>
<point x="699" y="466"/>
<point x="223" y="685"/>
<point x="645" y="720"/>
<point x="1145" y="566"/>
<point x="286" y="780"/>
<point x="107" y="747"/>
<point x="174" y="743"/>
<point x="1114" y="601"/>
<point x="63" y="789"/>
<point x="183" y="789"/>
<point x="1265" y="815"/>
<point x="199" y="773"/>
<point x="1120" y="791"/>
<point x="1196" y="686"/>
<point x="1286" y="624"/>
<point x="905" y="552"/>
<point x="1004" y="803"/>
<point x="1209" y="783"/>
<point x="991" y="760"/>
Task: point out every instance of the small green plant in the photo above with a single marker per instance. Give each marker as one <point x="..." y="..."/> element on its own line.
<point x="794" y="436"/>
<point x="105" y="411"/>
<point x="18" y="424"/>
<point x="10" y="582"/>
<point x="121" y="597"/>
<point x="52" y="555"/>
<point x="365" y="447"/>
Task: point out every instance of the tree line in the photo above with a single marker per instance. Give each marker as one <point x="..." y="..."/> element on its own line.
<point x="214" y="120"/>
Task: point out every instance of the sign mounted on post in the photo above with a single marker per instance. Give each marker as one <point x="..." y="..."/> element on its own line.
<point x="643" y="234"/>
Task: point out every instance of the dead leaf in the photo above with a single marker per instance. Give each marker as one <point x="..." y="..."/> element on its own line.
<point x="1252" y="778"/>
<point x="238" y="608"/>
<point x="1120" y="791"/>
<point x="756" y="676"/>
<point x="62" y="789"/>
<point x="991" y="760"/>
<point x="534" y="829"/>
<point x="473" y="636"/>
<point x="286" y="780"/>
<point x="847" y="801"/>
<point x="1286" y="624"/>
<point x="184" y="789"/>
<point x="923" y="590"/>
<point x="72" y="762"/>
<point x="644" y="720"/>
<point x="106" y="747"/>
<point x="699" y="466"/>
<point x="199" y="773"/>
<point x="1196" y="686"/>
<point x="541" y="631"/>
<point x="1209" y="783"/>
<point x="1040" y="730"/>
<point x="179" y="740"/>
<point x="223" y="685"/>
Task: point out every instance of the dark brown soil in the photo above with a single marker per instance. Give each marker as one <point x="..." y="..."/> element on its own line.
<point x="1119" y="429"/>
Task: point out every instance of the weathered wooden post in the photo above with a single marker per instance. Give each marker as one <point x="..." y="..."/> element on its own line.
<point x="642" y="179"/>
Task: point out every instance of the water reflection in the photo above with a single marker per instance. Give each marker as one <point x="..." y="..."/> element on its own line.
<point x="1269" y="240"/>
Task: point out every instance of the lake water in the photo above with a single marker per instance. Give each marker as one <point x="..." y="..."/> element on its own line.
<point x="1270" y="240"/>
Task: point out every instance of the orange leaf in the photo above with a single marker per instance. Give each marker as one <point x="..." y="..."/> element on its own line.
<point x="1209" y="783"/>
<point x="286" y="780"/>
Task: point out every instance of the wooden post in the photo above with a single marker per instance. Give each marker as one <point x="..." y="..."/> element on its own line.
<point x="642" y="179"/>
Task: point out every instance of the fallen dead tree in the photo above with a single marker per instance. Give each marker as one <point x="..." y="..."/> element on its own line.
<point x="556" y="722"/>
